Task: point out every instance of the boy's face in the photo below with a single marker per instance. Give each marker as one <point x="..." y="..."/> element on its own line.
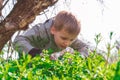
<point x="62" y="38"/>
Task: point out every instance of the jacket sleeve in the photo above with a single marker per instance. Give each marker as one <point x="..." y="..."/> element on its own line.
<point x="81" y="46"/>
<point x="84" y="47"/>
<point x="21" y="43"/>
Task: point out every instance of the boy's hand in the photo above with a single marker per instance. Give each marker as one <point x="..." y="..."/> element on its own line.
<point x="56" y="55"/>
<point x="34" y="51"/>
<point x="69" y="49"/>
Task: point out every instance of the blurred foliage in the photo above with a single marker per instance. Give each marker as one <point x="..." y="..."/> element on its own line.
<point x="69" y="67"/>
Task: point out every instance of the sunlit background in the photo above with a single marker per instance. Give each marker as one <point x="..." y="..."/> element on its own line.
<point x="97" y="17"/>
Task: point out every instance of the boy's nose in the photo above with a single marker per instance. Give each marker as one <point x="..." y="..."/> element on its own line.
<point x="67" y="43"/>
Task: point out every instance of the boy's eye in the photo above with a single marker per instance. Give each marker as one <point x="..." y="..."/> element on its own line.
<point x="64" y="38"/>
<point x="71" y="40"/>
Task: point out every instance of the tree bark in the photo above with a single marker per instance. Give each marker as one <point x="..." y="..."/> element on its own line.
<point x="23" y="13"/>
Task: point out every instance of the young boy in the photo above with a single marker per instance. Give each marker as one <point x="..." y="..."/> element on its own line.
<point x="56" y="33"/>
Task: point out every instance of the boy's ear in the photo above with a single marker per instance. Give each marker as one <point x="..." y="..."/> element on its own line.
<point x="52" y="30"/>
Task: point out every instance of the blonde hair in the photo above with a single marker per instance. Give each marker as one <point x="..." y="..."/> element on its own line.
<point x="67" y="21"/>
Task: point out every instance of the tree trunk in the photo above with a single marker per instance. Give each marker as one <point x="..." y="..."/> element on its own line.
<point x="23" y="13"/>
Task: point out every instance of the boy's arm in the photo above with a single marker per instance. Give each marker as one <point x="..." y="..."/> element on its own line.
<point x="21" y="43"/>
<point x="81" y="46"/>
<point x="84" y="47"/>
